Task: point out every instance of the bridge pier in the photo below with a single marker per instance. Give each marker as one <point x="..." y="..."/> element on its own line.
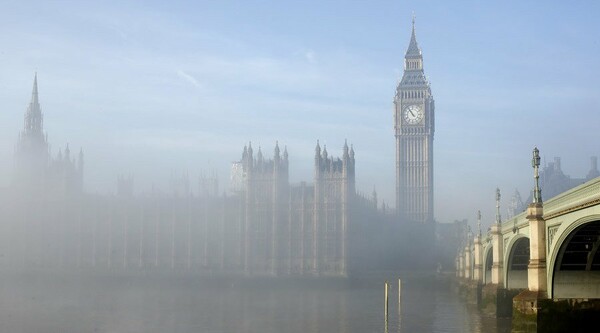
<point x="532" y="306"/>
<point x="496" y="300"/>
<point x="461" y="264"/>
<point x="497" y="255"/>
<point x="468" y="262"/>
<point x="470" y="291"/>
<point x="478" y="259"/>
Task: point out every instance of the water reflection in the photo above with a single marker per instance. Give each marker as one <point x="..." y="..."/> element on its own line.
<point x="78" y="304"/>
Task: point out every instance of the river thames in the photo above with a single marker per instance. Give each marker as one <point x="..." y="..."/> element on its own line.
<point x="182" y="304"/>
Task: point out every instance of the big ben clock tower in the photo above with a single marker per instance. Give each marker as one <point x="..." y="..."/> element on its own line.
<point x="414" y="126"/>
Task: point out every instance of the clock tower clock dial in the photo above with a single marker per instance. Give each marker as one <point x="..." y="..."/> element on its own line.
<point x="413" y="114"/>
<point x="414" y="127"/>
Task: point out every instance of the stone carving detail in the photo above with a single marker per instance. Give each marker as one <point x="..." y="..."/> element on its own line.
<point x="551" y="232"/>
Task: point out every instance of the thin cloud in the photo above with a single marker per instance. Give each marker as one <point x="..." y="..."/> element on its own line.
<point x="311" y="56"/>
<point x="189" y="78"/>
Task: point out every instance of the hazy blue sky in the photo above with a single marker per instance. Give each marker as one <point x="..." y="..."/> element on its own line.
<point x="155" y="87"/>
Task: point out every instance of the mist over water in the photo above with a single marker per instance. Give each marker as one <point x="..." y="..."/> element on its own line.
<point x="178" y="304"/>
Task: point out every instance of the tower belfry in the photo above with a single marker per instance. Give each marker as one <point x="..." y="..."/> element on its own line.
<point x="414" y="127"/>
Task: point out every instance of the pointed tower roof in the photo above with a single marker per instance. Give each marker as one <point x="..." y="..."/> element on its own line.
<point x="33" y="115"/>
<point x="345" y="148"/>
<point x="34" y="93"/>
<point x="413" y="50"/>
<point x="67" y="152"/>
<point x="260" y="155"/>
<point x="276" y="153"/>
<point x="414" y="75"/>
<point x="318" y="150"/>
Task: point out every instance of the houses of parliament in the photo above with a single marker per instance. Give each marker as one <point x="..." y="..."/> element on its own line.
<point x="266" y="226"/>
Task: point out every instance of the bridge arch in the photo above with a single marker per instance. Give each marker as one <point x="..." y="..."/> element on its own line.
<point x="574" y="266"/>
<point x="488" y="260"/>
<point x="516" y="262"/>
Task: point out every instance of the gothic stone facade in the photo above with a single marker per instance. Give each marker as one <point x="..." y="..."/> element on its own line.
<point x="267" y="227"/>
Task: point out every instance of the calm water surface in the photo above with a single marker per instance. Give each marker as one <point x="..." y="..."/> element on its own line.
<point x="78" y="304"/>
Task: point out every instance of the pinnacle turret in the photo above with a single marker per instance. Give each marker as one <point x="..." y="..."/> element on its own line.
<point x="259" y="156"/>
<point x="276" y="150"/>
<point x="67" y="153"/>
<point x="345" y="148"/>
<point x="594" y="168"/>
<point x="318" y="150"/>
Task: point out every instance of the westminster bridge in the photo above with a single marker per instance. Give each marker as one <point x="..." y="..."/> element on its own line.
<point x="542" y="267"/>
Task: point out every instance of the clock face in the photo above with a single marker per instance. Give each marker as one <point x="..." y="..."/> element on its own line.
<point x="413" y="114"/>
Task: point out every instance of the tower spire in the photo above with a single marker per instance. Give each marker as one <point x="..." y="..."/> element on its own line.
<point x="34" y="93"/>
<point x="32" y="148"/>
<point x="33" y="116"/>
<point x="413" y="48"/>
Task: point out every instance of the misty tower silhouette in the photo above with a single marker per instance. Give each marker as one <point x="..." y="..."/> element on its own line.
<point x="35" y="171"/>
<point x="414" y="125"/>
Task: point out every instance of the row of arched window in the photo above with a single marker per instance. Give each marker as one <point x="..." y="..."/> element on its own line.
<point x="413" y="64"/>
<point x="413" y="94"/>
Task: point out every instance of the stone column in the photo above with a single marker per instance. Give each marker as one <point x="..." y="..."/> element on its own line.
<point x="457" y="263"/>
<point x="536" y="271"/>
<point x="468" y="262"/>
<point x="461" y="264"/>
<point x="497" y="253"/>
<point x="478" y="264"/>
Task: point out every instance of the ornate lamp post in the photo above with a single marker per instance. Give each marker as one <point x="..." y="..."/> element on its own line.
<point x="497" y="246"/>
<point x="498" y="217"/>
<point x="535" y="163"/>
<point x="479" y="223"/>
<point x="527" y="304"/>
<point x="477" y="251"/>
